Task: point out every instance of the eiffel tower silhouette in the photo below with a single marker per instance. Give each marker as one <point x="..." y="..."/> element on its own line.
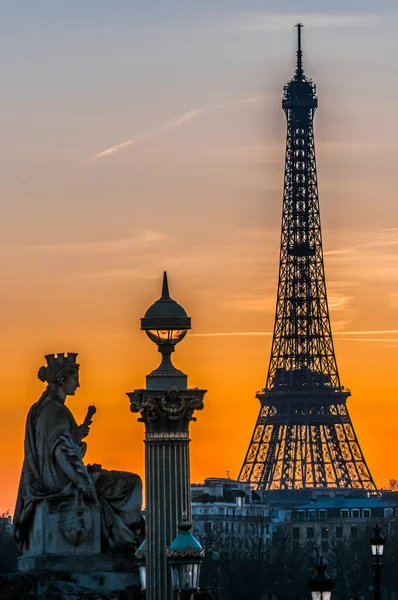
<point x="304" y="437"/>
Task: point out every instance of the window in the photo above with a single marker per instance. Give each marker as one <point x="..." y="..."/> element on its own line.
<point x="296" y="533"/>
<point x="355" y="513"/>
<point x="344" y="513"/>
<point x="339" y="532"/>
<point x="300" y="515"/>
<point x="323" y="514"/>
<point x="325" y="547"/>
<point x="388" y="513"/>
<point x="310" y="532"/>
<point x="366" y="513"/>
<point x="207" y="528"/>
<point x="354" y="532"/>
<point x="324" y="532"/>
<point x="311" y="515"/>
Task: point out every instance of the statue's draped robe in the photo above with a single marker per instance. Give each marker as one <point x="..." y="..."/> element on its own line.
<point x="51" y="425"/>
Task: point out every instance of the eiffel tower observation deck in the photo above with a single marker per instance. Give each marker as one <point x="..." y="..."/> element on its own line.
<point x="304" y="437"/>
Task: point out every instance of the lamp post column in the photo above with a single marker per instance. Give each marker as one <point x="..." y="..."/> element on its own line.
<point x="377" y="567"/>
<point x="166" y="407"/>
<point x="377" y="542"/>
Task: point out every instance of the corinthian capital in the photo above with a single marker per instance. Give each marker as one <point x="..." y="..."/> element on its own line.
<point x="167" y="411"/>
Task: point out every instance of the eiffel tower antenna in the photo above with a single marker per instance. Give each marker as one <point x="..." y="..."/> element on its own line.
<point x="299" y="68"/>
<point x="303" y="437"/>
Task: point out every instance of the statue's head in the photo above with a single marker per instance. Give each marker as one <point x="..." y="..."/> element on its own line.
<point x="61" y="371"/>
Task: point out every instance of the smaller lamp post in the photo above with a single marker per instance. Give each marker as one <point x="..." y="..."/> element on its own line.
<point x="141" y="562"/>
<point x="321" y="585"/>
<point x="377" y="542"/>
<point x="185" y="556"/>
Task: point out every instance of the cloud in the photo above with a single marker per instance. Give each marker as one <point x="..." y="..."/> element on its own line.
<point x="371" y="340"/>
<point x="267" y="333"/>
<point x="144" y="238"/>
<point x="368" y="332"/>
<point x="231" y="333"/>
<point x="365" y="246"/>
<point x="281" y="21"/>
<point x="338" y="302"/>
<point x="164" y="128"/>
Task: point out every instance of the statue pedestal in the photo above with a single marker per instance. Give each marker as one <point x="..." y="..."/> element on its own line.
<point x="64" y="553"/>
<point x="64" y="528"/>
<point x="70" y="586"/>
<point x="89" y="563"/>
<point x="101" y="573"/>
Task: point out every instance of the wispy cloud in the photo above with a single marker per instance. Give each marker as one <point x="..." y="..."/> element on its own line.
<point x="138" y="239"/>
<point x="368" y="332"/>
<point x="232" y="333"/>
<point x="353" y="339"/>
<point x="267" y="333"/>
<point x="167" y="126"/>
<point x="354" y="249"/>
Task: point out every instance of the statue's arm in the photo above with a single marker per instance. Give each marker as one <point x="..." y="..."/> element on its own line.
<point x="67" y="455"/>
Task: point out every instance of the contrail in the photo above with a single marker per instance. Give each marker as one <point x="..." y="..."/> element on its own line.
<point x="163" y="128"/>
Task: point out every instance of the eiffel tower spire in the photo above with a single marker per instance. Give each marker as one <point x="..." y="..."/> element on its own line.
<point x="304" y="436"/>
<point x="299" y="68"/>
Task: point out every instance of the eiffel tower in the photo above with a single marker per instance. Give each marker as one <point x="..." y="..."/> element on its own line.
<point x="304" y="436"/>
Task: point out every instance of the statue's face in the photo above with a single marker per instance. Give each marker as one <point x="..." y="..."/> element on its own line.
<point x="72" y="384"/>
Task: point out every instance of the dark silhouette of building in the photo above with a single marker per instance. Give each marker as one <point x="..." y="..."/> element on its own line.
<point x="303" y="437"/>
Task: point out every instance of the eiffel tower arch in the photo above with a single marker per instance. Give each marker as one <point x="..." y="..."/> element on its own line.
<point x="304" y="437"/>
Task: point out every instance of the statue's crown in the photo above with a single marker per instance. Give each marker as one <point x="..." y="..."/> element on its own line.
<point x="59" y="367"/>
<point x="61" y="359"/>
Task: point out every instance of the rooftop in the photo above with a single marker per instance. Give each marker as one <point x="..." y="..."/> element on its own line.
<point x="347" y="502"/>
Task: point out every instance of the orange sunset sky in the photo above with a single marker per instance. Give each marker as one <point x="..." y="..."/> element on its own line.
<point x="89" y="222"/>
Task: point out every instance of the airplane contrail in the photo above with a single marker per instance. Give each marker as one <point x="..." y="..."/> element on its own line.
<point x="163" y="128"/>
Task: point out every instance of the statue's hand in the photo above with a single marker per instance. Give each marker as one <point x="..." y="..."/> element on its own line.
<point x="84" y="430"/>
<point x="90" y="412"/>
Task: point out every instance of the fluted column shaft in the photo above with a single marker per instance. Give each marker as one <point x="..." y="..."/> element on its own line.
<point x="168" y="497"/>
<point x="166" y="414"/>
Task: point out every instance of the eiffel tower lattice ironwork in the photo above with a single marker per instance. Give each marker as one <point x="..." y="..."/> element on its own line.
<point x="303" y="437"/>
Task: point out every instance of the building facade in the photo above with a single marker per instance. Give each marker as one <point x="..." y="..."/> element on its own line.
<point x="317" y="520"/>
<point x="223" y="507"/>
<point x="327" y="522"/>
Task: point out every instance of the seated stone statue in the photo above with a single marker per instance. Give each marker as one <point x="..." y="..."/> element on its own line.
<point x="64" y="506"/>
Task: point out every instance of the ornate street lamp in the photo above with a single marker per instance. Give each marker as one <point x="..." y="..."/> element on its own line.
<point x="166" y="406"/>
<point x="321" y="585"/>
<point x="166" y="324"/>
<point x="141" y="562"/>
<point x="185" y="556"/>
<point x="377" y="542"/>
